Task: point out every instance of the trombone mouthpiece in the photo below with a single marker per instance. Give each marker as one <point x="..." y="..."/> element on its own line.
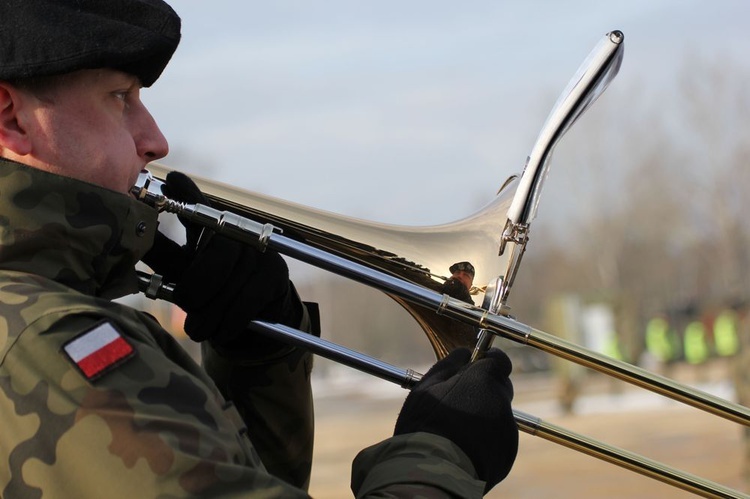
<point x="149" y="190"/>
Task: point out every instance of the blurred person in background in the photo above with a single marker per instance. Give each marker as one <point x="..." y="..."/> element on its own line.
<point x="662" y="343"/>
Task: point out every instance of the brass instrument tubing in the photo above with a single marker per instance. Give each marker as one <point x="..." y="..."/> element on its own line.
<point x="511" y="329"/>
<point x="623" y="458"/>
<point x="484" y="343"/>
<point x="246" y="230"/>
<point x="638" y="377"/>
<point x="407" y="378"/>
<point x="230" y="224"/>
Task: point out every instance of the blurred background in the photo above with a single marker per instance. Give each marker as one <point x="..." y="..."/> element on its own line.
<point x="416" y="113"/>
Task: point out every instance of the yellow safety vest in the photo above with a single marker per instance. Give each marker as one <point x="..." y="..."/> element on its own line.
<point x="658" y="341"/>
<point x="696" y="347"/>
<point x="725" y="334"/>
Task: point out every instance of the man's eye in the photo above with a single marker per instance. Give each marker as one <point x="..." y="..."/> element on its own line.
<point x="123" y="95"/>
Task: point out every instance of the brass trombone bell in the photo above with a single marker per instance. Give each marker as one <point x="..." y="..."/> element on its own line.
<point x="413" y="265"/>
<point x="420" y="255"/>
<point x="454" y="313"/>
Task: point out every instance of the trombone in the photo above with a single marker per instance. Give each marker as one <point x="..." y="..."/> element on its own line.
<point x="408" y="265"/>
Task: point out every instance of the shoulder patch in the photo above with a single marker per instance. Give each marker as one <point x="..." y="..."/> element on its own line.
<point x="98" y="350"/>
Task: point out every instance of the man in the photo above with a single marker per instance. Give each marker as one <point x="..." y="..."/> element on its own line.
<point x="96" y="399"/>
<point x="460" y="282"/>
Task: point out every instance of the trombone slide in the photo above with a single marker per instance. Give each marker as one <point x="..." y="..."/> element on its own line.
<point x="265" y="236"/>
<point x="407" y="378"/>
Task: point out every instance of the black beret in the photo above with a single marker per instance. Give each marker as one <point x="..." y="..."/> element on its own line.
<point x="50" y="37"/>
<point x="463" y="266"/>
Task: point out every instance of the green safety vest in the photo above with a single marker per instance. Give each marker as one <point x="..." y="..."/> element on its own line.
<point x="725" y="334"/>
<point x="659" y="341"/>
<point x="696" y="347"/>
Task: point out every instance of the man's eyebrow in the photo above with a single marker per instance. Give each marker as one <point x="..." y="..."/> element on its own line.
<point x="133" y="81"/>
<point x="122" y="78"/>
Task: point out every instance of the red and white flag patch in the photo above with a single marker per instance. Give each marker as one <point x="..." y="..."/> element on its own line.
<point x="99" y="350"/>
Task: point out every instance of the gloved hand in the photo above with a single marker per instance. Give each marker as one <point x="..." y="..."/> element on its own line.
<point x="220" y="283"/>
<point x="468" y="404"/>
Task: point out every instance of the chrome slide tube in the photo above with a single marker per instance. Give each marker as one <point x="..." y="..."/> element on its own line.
<point x="406" y="378"/>
<point x="264" y="236"/>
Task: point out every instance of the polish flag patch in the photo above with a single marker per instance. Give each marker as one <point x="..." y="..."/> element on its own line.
<point x="98" y="350"/>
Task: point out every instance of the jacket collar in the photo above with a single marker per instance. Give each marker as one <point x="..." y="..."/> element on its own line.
<point x="78" y="234"/>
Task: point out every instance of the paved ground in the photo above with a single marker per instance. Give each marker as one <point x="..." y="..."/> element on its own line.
<point x="678" y="436"/>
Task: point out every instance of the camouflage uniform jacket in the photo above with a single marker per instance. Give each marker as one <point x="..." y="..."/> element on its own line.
<point x="144" y="420"/>
<point x="96" y="399"/>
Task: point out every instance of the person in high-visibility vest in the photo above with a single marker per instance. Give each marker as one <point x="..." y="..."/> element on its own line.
<point x="726" y="341"/>
<point x="660" y="339"/>
<point x="695" y="343"/>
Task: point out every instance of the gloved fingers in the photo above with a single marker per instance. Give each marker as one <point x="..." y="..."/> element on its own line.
<point x="271" y="274"/>
<point x="180" y="187"/>
<point x="427" y="396"/>
<point x="508" y="450"/>
<point x="221" y="267"/>
<point x="479" y="383"/>
<point x="501" y="440"/>
<point x="226" y="284"/>
<point x="445" y="368"/>
<point x="472" y="408"/>
<point x="264" y="294"/>
<point x="499" y="361"/>
<point x="228" y="304"/>
<point x="167" y="258"/>
<point x="458" y="357"/>
<point x="221" y="311"/>
<point x="495" y="368"/>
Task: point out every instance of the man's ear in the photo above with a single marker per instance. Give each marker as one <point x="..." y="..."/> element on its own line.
<point x="13" y="133"/>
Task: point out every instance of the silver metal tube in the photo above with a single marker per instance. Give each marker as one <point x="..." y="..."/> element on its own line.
<point x="245" y="230"/>
<point x="532" y="425"/>
<point x="406" y="378"/>
<point x="623" y="458"/>
<point x="511" y="329"/>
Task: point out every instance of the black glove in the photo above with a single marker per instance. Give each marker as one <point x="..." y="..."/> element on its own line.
<point x="223" y="284"/>
<point x="468" y="404"/>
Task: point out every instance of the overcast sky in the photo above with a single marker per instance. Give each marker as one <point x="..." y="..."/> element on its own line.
<point x="404" y="112"/>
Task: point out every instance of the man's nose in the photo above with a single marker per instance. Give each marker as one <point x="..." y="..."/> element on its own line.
<point x="149" y="141"/>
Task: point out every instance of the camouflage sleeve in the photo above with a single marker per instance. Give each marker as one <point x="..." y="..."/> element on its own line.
<point x="274" y="397"/>
<point x="415" y="465"/>
<point x="150" y="426"/>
